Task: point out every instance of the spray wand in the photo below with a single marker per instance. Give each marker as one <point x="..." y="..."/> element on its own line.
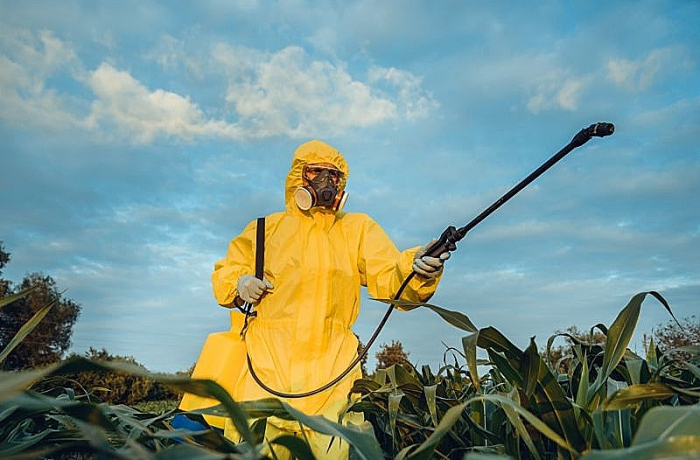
<point x="448" y="242"/>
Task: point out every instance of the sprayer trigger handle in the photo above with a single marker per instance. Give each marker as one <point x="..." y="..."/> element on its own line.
<point x="446" y="242"/>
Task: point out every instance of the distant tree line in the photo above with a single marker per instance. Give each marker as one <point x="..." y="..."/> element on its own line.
<point x="669" y="337"/>
<point x="112" y="387"/>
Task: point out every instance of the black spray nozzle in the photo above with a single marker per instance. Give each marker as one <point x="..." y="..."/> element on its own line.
<point x="602" y="129"/>
<point x="596" y="129"/>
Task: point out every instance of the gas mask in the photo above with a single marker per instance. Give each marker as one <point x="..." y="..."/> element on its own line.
<point x="320" y="189"/>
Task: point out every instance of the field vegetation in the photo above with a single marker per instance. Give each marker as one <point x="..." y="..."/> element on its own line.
<point x="609" y="403"/>
<point x="592" y="398"/>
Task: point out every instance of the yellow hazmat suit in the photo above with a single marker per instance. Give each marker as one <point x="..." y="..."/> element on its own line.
<point x="317" y="260"/>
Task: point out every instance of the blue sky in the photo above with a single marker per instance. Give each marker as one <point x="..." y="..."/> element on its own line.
<point x="138" y="137"/>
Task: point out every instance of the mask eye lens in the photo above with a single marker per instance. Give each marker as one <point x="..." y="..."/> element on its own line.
<point x="311" y="172"/>
<point x="335" y="174"/>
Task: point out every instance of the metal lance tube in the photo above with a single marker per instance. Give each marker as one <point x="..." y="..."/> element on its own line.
<point x="451" y="236"/>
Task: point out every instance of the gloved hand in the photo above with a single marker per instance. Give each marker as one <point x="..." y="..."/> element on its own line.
<point x="427" y="266"/>
<point x="251" y="289"/>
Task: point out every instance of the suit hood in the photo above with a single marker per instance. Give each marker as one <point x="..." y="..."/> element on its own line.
<point x="311" y="152"/>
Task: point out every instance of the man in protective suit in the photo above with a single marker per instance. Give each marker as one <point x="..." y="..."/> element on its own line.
<point x="316" y="259"/>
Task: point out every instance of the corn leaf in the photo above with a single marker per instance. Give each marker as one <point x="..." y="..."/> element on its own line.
<point x="394" y="402"/>
<point x="635" y="368"/>
<point x="502" y="352"/>
<point x="582" y="391"/>
<point x="520" y="426"/>
<point x="695" y="370"/>
<point x="555" y="409"/>
<point x="531" y="367"/>
<point x="538" y="424"/>
<point x="13" y="383"/>
<point x="426" y="449"/>
<point x="676" y="448"/>
<point x="25" y="330"/>
<point x="652" y="356"/>
<point x="15" y="297"/>
<point x="8" y="449"/>
<point x="296" y="446"/>
<point x="189" y="452"/>
<point x="665" y="422"/>
<point x="632" y="395"/>
<point x="455" y="318"/>
<point x="364" y="444"/>
<point x="619" y="337"/>
<point x="485" y="456"/>
<point x="469" y="345"/>
<point x="430" y="392"/>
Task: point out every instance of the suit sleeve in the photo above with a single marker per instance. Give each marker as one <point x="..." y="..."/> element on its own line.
<point x="239" y="261"/>
<point x="383" y="267"/>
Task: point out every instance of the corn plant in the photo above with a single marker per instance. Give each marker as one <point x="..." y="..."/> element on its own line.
<point x="33" y="425"/>
<point x="523" y="409"/>
<point x="60" y="423"/>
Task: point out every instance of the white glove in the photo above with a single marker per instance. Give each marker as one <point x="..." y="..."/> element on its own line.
<point x="427" y="266"/>
<point x="251" y="289"/>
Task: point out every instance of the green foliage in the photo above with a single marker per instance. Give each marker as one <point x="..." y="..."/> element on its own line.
<point x="14" y="341"/>
<point x="49" y="339"/>
<point x="4" y="259"/>
<point x="35" y="425"/>
<point x="390" y="355"/>
<point x="522" y="407"/>
<point x="672" y="336"/>
<point x="157" y="406"/>
<point x="561" y="357"/>
<point x="363" y="362"/>
<point x="113" y="387"/>
<point x="664" y="433"/>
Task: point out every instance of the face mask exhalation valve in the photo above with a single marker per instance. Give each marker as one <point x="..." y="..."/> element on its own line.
<point x="321" y="189"/>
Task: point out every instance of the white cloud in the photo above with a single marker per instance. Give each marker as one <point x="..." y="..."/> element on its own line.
<point x="557" y="91"/>
<point x="287" y="92"/>
<point x="684" y="113"/>
<point x="39" y="52"/>
<point x="639" y="75"/>
<point x="283" y="93"/>
<point x="168" y="53"/>
<point x="125" y="102"/>
<point x="545" y="80"/>
<point x="27" y="60"/>
<point x="415" y="102"/>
